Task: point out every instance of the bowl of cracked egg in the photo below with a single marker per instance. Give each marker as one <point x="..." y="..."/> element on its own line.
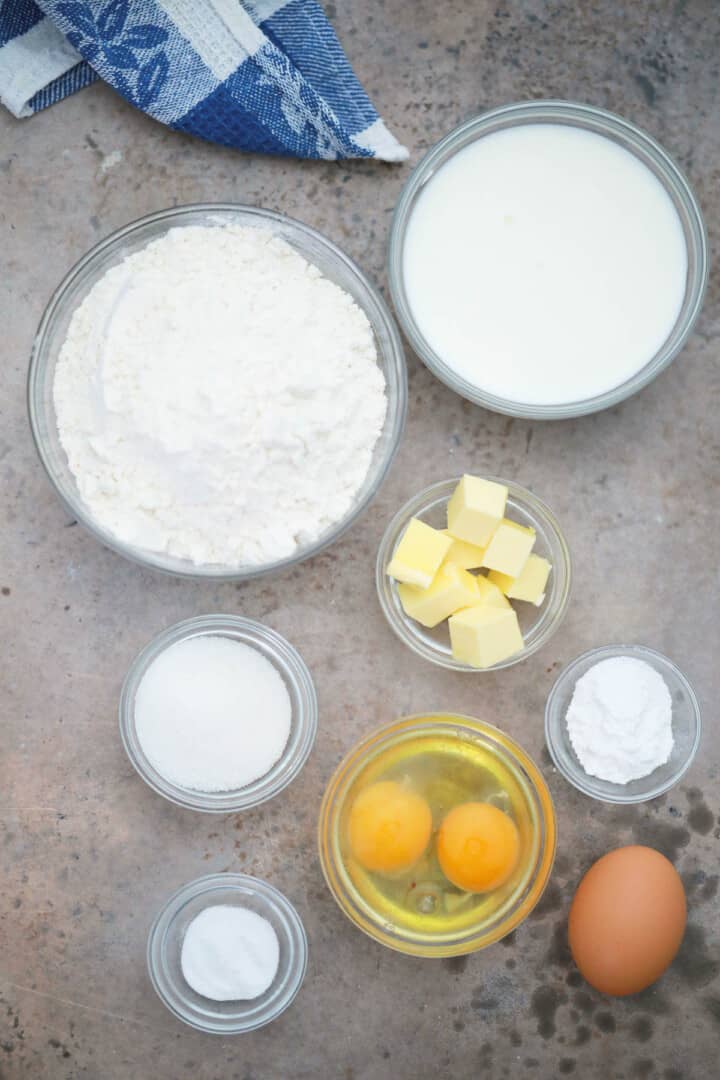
<point x="437" y="835"/>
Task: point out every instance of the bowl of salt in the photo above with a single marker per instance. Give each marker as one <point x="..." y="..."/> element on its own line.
<point x="227" y="953"/>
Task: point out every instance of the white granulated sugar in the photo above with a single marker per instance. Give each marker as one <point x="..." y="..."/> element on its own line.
<point x="229" y="954"/>
<point x="212" y="714"/>
<point x="218" y="399"/>
<point x="620" y="720"/>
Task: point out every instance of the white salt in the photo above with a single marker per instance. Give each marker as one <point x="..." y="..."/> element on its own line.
<point x="212" y="714"/>
<point x="229" y="954"/>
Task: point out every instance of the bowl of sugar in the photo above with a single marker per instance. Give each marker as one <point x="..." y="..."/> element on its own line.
<point x="547" y="259"/>
<point x="218" y="713"/>
<point x="227" y="953"/>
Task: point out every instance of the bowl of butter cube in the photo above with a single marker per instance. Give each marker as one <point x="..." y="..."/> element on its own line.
<point x="474" y="573"/>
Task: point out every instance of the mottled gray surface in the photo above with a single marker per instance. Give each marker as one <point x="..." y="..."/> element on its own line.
<point x="89" y="853"/>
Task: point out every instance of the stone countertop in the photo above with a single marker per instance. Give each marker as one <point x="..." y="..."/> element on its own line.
<point x="89" y="853"/>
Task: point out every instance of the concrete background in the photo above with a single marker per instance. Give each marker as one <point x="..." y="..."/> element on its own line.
<point x="89" y="853"/>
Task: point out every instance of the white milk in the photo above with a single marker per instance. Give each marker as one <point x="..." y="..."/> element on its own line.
<point x="544" y="264"/>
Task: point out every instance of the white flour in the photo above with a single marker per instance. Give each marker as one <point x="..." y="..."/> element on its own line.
<point x="218" y="398"/>
<point x="620" y="720"/>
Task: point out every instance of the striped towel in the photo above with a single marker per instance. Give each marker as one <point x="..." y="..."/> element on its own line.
<point x="262" y="75"/>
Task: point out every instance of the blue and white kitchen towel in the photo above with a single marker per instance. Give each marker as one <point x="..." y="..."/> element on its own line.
<point x="262" y="75"/>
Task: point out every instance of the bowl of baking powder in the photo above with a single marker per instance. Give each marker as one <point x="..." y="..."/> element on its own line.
<point x="217" y="391"/>
<point x="622" y="723"/>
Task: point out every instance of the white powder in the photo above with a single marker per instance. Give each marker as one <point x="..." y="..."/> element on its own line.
<point x="212" y="714"/>
<point x="218" y="398"/>
<point x="620" y="720"/>
<point x="229" y="954"/>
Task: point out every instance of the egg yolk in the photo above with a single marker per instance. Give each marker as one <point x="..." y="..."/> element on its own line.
<point x="389" y="827"/>
<point x="478" y="847"/>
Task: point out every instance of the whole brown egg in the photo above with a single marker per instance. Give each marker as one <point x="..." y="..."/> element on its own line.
<point x="627" y="920"/>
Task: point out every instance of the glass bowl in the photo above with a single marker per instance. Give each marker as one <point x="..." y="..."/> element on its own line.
<point x="303" y="725"/>
<point x="537" y="624"/>
<point x="319" y="251"/>
<point x="536" y="864"/>
<point x="165" y="946"/>
<point x="630" y="138"/>
<point x="686" y="726"/>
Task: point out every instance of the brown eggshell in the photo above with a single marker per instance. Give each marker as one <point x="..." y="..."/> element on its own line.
<point x="627" y="920"/>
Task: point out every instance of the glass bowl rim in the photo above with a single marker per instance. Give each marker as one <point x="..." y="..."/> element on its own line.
<point x="581" y="780"/>
<point x="415" y="505"/>
<point x="393" y="357"/>
<point x="572" y="113"/>
<point x="354" y="759"/>
<point x="270" y="895"/>
<point x="293" y="666"/>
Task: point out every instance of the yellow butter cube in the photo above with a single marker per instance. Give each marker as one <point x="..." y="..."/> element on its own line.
<point x="484" y="635"/>
<point x="452" y="588"/>
<point x="466" y="556"/>
<point x="490" y="593"/>
<point x="476" y="509"/>
<point x="419" y="554"/>
<point x="529" y="584"/>
<point x="509" y="549"/>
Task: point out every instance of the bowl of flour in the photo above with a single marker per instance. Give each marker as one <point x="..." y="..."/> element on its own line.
<point x="217" y="391"/>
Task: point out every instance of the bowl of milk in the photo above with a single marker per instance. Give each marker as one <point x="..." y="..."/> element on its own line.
<point x="547" y="259"/>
